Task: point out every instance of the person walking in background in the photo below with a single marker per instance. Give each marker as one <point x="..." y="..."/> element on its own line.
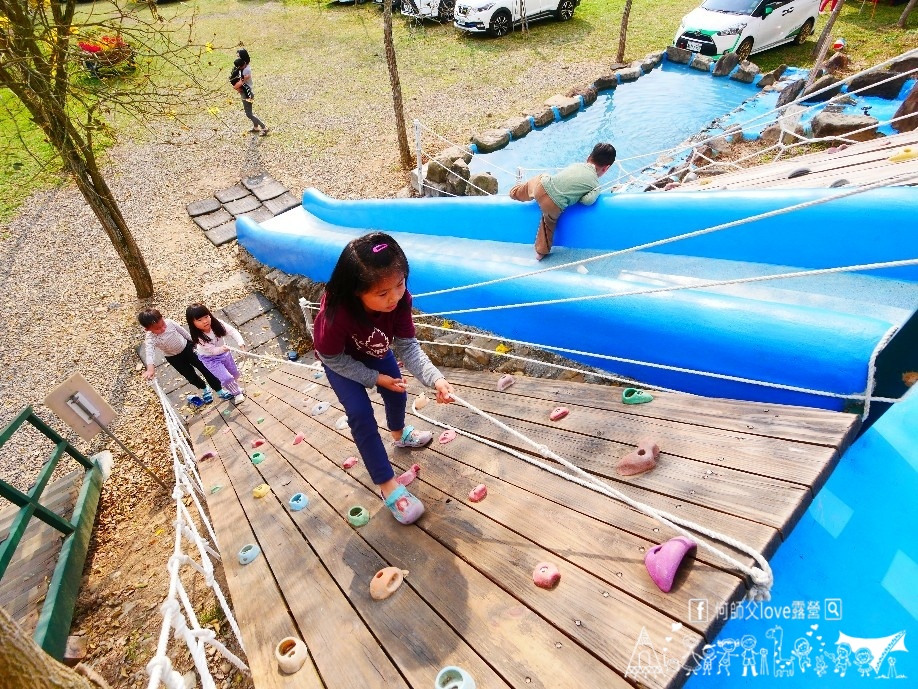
<point x="554" y="193"/>
<point x="209" y="335"/>
<point x="246" y="88"/>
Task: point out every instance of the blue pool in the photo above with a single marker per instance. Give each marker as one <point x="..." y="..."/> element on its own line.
<point x="658" y="111"/>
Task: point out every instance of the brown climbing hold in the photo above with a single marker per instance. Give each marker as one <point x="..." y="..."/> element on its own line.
<point x="641" y="459"/>
<point x="546" y="575"/>
<point x="421" y="401"/>
<point x="478" y="493"/>
<point x="386" y="582"/>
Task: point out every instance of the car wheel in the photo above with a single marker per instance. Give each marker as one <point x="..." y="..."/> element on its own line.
<point x="745" y="49"/>
<point x="446" y="12"/>
<point x="565" y="10"/>
<point x="805" y="32"/>
<point x="501" y="23"/>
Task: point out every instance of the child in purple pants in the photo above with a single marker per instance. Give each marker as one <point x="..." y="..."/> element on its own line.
<point x="210" y="336"/>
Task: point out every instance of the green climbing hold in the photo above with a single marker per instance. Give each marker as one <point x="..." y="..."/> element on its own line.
<point x="635" y="396"/>
<point x="257" y="457"/>
<point x="215" y="489"/>
<point x="261" y="419"/>
<point x="226" y="412"/>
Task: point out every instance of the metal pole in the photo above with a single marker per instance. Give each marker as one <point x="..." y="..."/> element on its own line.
<point x="419" y="154"/>
<point x="76" y="400"/>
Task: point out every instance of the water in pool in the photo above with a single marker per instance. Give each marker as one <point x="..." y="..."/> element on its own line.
<point x="658" y="111"/>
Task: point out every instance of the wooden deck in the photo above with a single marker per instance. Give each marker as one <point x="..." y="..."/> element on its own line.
<point x="747" y="469"/>
<point x="25" y="584"/>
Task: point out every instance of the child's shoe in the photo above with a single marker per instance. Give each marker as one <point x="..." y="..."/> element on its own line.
<point x="195" y="401"/>
<point x="224" y="395"/>
<point x="207" y="396"/>
<point x="239" y="399"/>
<point x="406" y="508"/>
<point x="413" y="438"/>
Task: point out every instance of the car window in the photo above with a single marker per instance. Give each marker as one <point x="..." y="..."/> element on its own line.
<point x="731" y="6"/>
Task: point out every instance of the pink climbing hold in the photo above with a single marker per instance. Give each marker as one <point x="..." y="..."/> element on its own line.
<point x="505" y="382"/>
<point x="478" y="493"/>
<point x="409" y="475"/>
<point x="662" y="561"/>
<point x="643" y="458"/>
<point x="559" y="413"/>
<point x="350" y="462"/>
<point x="546" y="575"/>
<point x="298" y="438"/>
<point x="206" y="456"/>
<point x="447" y="436"/>
<point x="258" y="442"/>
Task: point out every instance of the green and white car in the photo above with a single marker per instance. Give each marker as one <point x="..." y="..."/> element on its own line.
<point x="746" y="27"/>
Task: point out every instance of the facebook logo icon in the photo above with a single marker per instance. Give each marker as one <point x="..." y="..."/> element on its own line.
<point x="698" y="610"/>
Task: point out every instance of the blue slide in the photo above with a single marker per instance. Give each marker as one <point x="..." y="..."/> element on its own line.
<point x="818" y="333"/>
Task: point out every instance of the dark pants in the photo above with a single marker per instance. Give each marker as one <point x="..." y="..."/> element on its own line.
<point x="247" y="108"/>
<point x="360" y="417"/>
<point x="186" y="361"/>
<point x="534" y="190"/>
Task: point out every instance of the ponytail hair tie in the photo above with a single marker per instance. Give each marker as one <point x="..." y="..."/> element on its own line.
<point x="379" y="247"/>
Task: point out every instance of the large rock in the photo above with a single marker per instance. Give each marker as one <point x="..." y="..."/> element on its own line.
<point x="542" y="116"/>
<point x="518" y="127"/>
<point x="836" y="63"/>
<point x="769" y="78"/>
<point x="680" y="55"/>
<point x="646" y="65"/>
<point x="702" y="63"/>
<point x="565" y="104"/>
<point x="905" y="64"/>
<point x="791" y="92"/>
<point x="746" y="73"/>
<point x="908" y="110"/>
<point x="605" y="82"/>
<point x="869" y="84"/>
<point x="725" y="64"/>
<point x="481" y="184"/>
<point x="459" y="175"/>
<point x="821" y="90"/>
<point x="454" y="153"/>
<point x="491" y="140"/>
<point x="628" y="74"/>
<point x="434" y="189"/>
<point x="832" y="124"/>
<point x="587" y="93"/>
<point x="656" y="58"/>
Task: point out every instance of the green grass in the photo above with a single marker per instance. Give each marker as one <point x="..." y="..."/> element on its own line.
<point x="333" y="55"/>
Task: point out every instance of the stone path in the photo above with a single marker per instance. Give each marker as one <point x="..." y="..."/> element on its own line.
<point x="260" y="197"/>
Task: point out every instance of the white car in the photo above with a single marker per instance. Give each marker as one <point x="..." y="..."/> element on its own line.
<point x="441" y="10"/>
<point x="746" y="27"/>
<point x="498" y="17"/>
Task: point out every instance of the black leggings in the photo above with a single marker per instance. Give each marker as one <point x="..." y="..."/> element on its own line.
<point x="186" y="361"/>
<point x="247" y="106"/>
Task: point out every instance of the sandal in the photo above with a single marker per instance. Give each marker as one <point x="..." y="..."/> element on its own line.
<point x="635" y="396"/>
<point x="406" y="508"/>
<point x="413" y="438"/>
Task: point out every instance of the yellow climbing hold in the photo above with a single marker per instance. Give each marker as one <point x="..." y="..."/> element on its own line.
<point x="261" y="491"/>
<point x="446" y="324"/>
<point x="907" y="153"/>
<point x="502" y="348"/>
<point x="209" y="430"/>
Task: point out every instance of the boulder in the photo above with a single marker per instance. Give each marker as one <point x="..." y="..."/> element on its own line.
<point x="831" y="124"/>
<point x="655" y="58"/>
<point x="680" y="55"/>
<point x="821" y="90"/>
<point x="587" y="93"/>
<point x="605" y="82"/>
<point x="437" y="169"/>
<point x="720" y="144"/>
<point x="908" y="110"/>
<point x="565" y="104"/>
<point x="518" y="127"/>
<point x="869" y="84"/>
<point x="491" y="140"/>
<point x="905" y="64"/>
<point x="434" y="189"/>
<point x="769" y="78"/>
<point x="725" y="64"/>
<point x="459" y="175"/>
<point x="542" y="116"/>
<point x="702" y="63"/>
<point x="746" y="73"/>
<point x="628" y="74"/>
<point x="836" y="63"/>
<point x="646" y="65"/>
<point x="481" y="184"/>
<point x="790" y="93"/>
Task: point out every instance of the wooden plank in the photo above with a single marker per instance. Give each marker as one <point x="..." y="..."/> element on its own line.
<point x="518" y="643"/>
<point x="263" y="618"/>
<point x="612" y="555"/>
<point x="803" y="424"/>
<point x="412" y="634"/>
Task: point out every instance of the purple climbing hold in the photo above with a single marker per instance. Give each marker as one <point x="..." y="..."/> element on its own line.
<point x="662" y="561"/>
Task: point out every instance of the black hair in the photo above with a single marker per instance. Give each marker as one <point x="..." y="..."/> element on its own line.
<point x="603" y="154"/>
<point x="149" y="317"/>
<point x="243" y="55"/>
<point x="238" y="62"/>
<point x="199" y="311"/>
<point x="363" y="263"/>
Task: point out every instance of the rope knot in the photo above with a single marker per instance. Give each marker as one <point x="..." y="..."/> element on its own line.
<point x="762" y="582"/>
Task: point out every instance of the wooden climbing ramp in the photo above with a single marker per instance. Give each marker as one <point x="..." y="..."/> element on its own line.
<point x="746" y="469"/>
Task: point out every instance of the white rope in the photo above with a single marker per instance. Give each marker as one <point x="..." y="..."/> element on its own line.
<point x="854" y="191"/>
<point x="761" y="577"/>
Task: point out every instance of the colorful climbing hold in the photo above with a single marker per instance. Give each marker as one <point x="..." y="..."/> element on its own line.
<point x="478" y="493"/>
<point x="209" y="431"/>
<point x="207" y="455"/>
<point x="546" y="575"/>
<point x="341" y="423"/>
<point x="421" y="401"/>
<point x="248" y="553"/>
<point x="298" y="502"/>
<point x="408" y="476"/>
<point x="358" y="516"/>
<point x="317" y="375"/>
<point x="386" y="582"/>
<point x="452" y="677"/>
<point x="642" y="458"/>
<point x="907" y="153"/>
<point x="635" y="396"/>
<point x="559" y="413"/>
<point x="226" y="412"/>
<point x="502" y="348"/>
<point x="261" y="419"/>
<point x="257" y="442"/>
<point x="291" y="654"/>
<point x="320" y="408"/>
<point x="349" y="463"/>
<point x="257" y="457"/>
<point x="261" y="490"/>
<point x="447" y="436"/>
<point x="293" y="355"/>
<point x="662" y="561"/>
<point x="298" y="438"/>
<point x="215" y="489"/>
<point x="505" y="382"/>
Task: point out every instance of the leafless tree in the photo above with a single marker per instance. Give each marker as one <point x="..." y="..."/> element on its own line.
<point x="397" y="103"/>
<point x="907" y="11"/>
<point x="623" y="33"/>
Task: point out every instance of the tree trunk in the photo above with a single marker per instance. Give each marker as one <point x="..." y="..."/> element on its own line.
<point x="623" y="33"/>
<point x="24" y="665"/>
<point x="404" y="151"/>
<point x="907" y="11"/>
<point x="822" y="44"/>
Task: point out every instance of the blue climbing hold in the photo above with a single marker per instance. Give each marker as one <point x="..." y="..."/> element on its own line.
<point x="248" y="553"/>
<point x="292" y="355"/>
<point x="298" y="502"/>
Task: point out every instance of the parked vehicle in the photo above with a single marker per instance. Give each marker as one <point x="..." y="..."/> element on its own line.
<point x="746" y="27"/>
<point x="499" y="17"/>
<point x="396" y="4"/>
<point x="441" y="10"/>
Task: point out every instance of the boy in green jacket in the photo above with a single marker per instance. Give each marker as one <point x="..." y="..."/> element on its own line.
<point x="554" y="193"/>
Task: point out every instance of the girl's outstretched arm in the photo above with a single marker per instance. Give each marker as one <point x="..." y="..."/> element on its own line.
<point x="409" y="351"/>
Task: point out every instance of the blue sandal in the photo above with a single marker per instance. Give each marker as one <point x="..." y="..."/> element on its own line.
<point x="413" y="438"/>
<point x="207" y="396"/>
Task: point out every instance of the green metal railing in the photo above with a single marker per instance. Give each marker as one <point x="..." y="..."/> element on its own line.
<point x="57" y="612"/>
